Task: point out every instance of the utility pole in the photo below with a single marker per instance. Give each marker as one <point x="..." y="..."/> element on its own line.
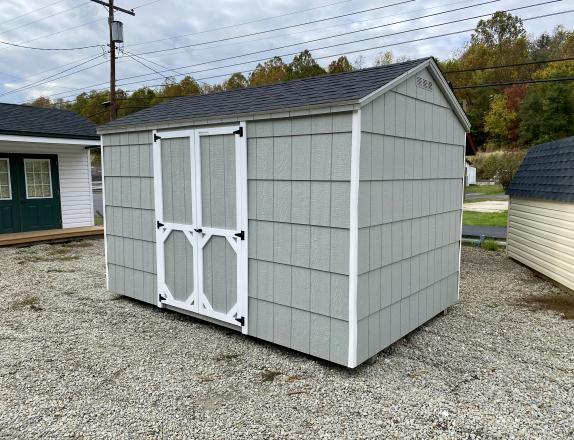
<point x="111" y="8"/>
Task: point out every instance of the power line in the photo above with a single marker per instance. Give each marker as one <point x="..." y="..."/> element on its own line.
<point x="285" y="27"/>
<point x="341" y="44"/>
<point x="300" y="11"/>
<point x="503" y="66"/>
<point x="34" y="10"/>
<point x="51" y="77"/>
<point x="320" y="48"/>
<point x="50" y="48"/>
<point x="509" y="83"/>
<point x="46" y="17"/>
<point x="338" y="54"/>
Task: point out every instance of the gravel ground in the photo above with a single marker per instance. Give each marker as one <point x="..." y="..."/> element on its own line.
<point x="77" y="361"/>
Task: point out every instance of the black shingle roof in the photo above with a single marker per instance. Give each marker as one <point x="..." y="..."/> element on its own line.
<point x="23" y="120"/>
<point x="547" y="172"/>
<point x="325" y="89"/>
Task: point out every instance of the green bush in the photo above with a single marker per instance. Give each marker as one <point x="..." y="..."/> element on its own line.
<point x="489" y="245"/>
<point x="500" y="166"/>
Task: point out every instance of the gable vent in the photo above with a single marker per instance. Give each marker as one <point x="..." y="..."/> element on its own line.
<point x="424" y="83"/>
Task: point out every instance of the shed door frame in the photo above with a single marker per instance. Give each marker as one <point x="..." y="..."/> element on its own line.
<point x="198" y="235"/>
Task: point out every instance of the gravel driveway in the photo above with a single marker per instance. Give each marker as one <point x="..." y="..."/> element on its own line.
<point x="77" y="361"/>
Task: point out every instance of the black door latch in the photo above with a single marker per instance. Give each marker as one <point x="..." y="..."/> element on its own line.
<point x="198" y="230"/>
<point x="241" y="235"/>
<point x="156" y="137"/>
<point x="241" y="321"/>
<point x="239" y="132"/>
<point x="162" y="298"/>
<point x="160" y="224"/>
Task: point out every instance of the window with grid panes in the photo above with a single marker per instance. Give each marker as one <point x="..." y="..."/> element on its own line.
<point x="5" y="187"/>
<point x="38" y="178"/>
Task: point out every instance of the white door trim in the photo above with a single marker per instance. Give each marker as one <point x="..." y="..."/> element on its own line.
<point x="237" y="244"/>
<point x="199" y="239"/>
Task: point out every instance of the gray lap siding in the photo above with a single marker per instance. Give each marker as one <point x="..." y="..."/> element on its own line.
<point x="298" y="194"/>
<point x="298" y="232"/>
<point x="410" y="197"/>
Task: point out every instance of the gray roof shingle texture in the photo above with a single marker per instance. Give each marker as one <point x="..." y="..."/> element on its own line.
<point x="24" y="120"/>
<point x="319" y="90"/>
<point x="547" y="172"/>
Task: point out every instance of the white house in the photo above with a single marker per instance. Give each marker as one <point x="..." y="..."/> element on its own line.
<point x="45" y="179"/>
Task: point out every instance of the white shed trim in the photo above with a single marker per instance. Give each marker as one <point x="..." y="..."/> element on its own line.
<point x="48" y="140"/>
<point x="438" y="77"/>
<point x="354" y="237"/>
<point x="104" y="211"/>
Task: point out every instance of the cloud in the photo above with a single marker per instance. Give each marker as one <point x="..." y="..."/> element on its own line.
<point x="69" y="23"/>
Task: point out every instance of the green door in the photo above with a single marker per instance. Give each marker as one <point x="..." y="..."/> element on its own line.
<point x="34" y="202"/>
<point x="9" y="203"/>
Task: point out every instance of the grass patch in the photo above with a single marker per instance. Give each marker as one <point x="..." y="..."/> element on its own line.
<point x="484" y="189"/>
<point x="562" y="303"/>
<point x="471" y="218"/>
<point x="489" y="245"/>
<point x="78" y="244"/>
<point x="98" y="220"/>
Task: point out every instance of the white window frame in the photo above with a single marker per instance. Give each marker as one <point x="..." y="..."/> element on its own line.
<point x="49" y="178"/>
<point x="9" y="180"/>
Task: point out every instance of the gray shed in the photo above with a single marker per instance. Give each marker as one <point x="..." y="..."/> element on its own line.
<point x="323" y="214"/>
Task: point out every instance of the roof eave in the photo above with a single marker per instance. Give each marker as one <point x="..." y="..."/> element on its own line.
<point x="337" y="106"/>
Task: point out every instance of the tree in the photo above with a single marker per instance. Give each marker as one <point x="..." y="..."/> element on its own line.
<point x="340" y="65"/>
<point x="502" y="29"/>
<point x="384" y="59"/>
<point x="41" y="101"/>
<point x="304" y="66"/>
<point x="270" y="72"/>
<point x="497" y="121"/>
<point x="235" y="81"/>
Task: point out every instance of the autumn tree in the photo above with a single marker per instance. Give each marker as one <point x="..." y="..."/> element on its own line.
<point x="304" y="66"/>
<point x="270" y="72"/>
<point x="340" y="65"/>
<point x="235" y="81"/>
<point x="41" y="101"/>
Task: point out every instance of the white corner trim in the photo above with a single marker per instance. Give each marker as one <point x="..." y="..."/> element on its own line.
<point x="103" y="211"/>
<point x="49" y="140"/>
<point x="461" y="213"/>
<point x="354" y="237"/>
<point x="438" y="77"/>
<point x="90" y="183"/>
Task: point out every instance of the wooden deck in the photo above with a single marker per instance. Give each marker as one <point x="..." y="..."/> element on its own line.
<point x="51" y="234"/>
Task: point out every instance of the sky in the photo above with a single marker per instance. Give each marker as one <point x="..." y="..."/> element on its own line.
<point x="152" y="37"/>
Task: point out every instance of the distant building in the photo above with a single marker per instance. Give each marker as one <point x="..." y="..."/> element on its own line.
<point x="469" y="174"/>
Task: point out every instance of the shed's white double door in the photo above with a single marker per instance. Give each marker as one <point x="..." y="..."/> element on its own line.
<point x="201" y="208"/>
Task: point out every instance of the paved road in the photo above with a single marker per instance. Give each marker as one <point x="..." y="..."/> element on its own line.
<point x="489" y="231"/>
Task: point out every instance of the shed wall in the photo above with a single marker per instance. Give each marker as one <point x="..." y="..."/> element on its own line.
<point x="410" y="202"/>
<point x="541" y="235"/>
<point x="298" y="194"/>
<point x="130" y="215"/>
<point x="75" y="180"/>
<point x="298" y="233"/>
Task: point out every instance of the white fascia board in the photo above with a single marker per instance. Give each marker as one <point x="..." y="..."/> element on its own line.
<point x="354" y="238"/>
<point x="438" y="77"/>
<point x="49" y="140"/>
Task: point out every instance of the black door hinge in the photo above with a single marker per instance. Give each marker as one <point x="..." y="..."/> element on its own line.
<point x="241" y="321"/>
<point x="241" y="235"/>
<point x="156" y="137"/>
<point x="198" y="230"/>
<point x="239" y="131"/>
<point x="159" y="224"/>
<point x="162" y="298"/>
